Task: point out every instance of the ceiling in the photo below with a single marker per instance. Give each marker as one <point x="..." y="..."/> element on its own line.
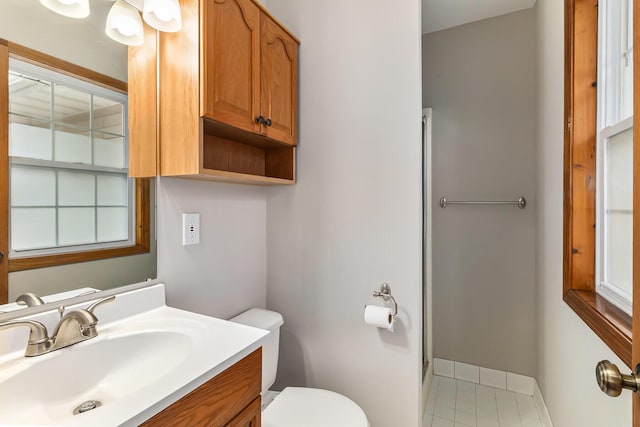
<point x="440" y="14"/>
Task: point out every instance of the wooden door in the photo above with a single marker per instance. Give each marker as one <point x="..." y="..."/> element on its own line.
<point x="249" y="417"/>
<point x="279" y="98"/>
<point x="231" y="63"/>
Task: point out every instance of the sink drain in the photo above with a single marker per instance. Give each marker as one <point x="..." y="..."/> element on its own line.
<point x="87" y="406"/>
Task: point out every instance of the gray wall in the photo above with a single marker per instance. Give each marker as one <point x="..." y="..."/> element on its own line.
<point x="353" y="220"/>
<point x="226" y="273"/>
<point x="82" y="42"/>
<point x="479" y="79"/>
<point x="568" y="350"/>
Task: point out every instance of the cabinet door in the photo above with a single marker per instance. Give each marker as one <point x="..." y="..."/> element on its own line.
<point x="249" y="417"/>
<point x="279" y="100"/>
<point x="231" y="63"/>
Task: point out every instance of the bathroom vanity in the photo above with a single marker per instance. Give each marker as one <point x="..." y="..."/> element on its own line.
<point x="149" y="365"/>
<point x="230" y="399"/>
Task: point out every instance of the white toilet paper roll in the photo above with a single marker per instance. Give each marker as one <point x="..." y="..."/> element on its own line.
<point x="379" y="317"/>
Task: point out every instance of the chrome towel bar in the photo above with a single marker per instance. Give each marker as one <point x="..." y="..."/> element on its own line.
<point x="521" y="202"/>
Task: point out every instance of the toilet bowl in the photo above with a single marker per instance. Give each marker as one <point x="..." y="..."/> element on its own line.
<point x="296" y="406"/>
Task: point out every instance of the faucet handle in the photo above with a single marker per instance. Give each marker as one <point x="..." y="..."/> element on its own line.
<point x="39" y="341"/>
<point x="100" y="301"/>
<point x="29" y="299"/>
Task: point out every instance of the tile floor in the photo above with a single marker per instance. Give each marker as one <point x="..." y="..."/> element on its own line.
<point x="455" y="403"/>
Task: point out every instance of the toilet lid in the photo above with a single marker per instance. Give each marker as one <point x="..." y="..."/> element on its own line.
<point x="312" y="407"/>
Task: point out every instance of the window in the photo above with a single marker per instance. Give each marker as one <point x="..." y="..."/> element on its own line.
<point x="69" y="195"/>
<point x="599" y="170"/>
<point x="69" y="188"/>
<point x="614" y="199"/>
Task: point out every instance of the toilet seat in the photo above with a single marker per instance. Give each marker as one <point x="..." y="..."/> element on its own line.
<point x="312" y="407"/>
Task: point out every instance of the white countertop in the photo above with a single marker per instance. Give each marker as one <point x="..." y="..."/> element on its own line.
<point x="150" y="374"/>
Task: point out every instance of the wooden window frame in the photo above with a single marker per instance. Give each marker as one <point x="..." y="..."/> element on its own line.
<point x="609" y="322"/>
<point x="142" y="200"/>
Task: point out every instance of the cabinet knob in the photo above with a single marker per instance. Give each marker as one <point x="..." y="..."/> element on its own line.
<point x="268" y="122"/>
<point x="260" y="120"/>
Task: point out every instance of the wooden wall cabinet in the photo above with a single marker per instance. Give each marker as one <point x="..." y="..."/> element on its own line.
<point x="227" y="96"/>
<point x="231" y="399"/>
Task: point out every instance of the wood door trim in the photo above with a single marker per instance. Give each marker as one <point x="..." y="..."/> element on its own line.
<point x="581" y="57"/>
<point x="61" y="66"/>
<point x="610" y="323"/>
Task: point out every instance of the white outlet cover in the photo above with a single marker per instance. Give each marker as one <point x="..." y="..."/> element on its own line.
<point x="190" y="229"/>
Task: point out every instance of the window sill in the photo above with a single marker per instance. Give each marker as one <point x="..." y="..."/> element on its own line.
<point x="22" y="264"/>
<point x="610" y="323"/>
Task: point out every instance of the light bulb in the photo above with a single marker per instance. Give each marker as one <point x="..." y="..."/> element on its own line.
<point x="69" y="8"/>
<point x="163" y="15"/>
<point x="124" y="24"/>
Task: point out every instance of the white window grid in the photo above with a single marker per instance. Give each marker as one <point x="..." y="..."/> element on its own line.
<point x="614" y="42"/>
<point x="52" y="77"/>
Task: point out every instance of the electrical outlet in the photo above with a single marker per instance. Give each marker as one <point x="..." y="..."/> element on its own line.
<point x="190" y="229"/>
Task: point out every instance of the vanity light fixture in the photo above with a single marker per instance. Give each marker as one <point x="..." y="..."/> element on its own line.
<point x="124" y="24"/>
<point x="163" y="15"/>
<point x="70" y="8"/>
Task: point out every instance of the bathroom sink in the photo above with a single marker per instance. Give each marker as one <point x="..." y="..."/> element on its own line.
<point x="135" y="367"/>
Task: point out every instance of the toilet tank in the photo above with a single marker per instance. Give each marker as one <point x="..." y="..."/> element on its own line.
<point x="270" y="321"/>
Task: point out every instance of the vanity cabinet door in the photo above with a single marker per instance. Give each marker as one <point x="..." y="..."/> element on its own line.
<point x="231" y="57"/>
<point x="219" y="401"/>
<point x="279" y="100"/>
<point x="249" y="417"/>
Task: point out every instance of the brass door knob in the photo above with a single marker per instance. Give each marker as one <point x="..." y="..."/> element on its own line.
<point x="611" y="381"/>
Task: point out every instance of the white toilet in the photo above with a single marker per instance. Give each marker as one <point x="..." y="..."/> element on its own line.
<point x="296" y="406"/>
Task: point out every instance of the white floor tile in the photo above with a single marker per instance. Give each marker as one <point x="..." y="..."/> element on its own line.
<point x="445" y="413"/>
<point x="465" y="386"/>
<point x="488" y="421"/>
<point x="455" y="403"/>
<point x="465" y="418"/>
<point x="507" y="408"/>
<point x="466" y="401"/>
<point x="439" y="422"/>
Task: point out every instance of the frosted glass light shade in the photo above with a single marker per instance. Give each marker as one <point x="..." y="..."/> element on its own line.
<point x="71" y="8"/>
<point x="124" y="24"/>
<point x="163" y="15"/>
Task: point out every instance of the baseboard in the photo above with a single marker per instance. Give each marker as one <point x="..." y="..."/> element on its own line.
<point x="496" y="379"/>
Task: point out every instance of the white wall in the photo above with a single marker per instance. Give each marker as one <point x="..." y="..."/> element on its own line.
<point x="226" y="273"/>
<point x="479" y="78"/>
<point x="353" y="220"/>
<point x="80" y="41"/>
<point x="567" y="349"/>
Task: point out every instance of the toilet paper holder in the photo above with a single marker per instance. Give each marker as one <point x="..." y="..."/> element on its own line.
<point x="385" y="293"/>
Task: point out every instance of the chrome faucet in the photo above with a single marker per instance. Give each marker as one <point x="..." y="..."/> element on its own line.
<point x="29" y="299"/>
<point x="74" y="327"/>
<point x="39" y="342"/>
